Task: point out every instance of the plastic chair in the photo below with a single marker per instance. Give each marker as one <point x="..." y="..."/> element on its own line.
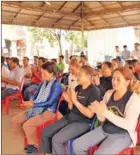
<point x="17" y="95"/>
<point x="138" y="131"/>
<point x="126" y="151"/>
<point x="39" y="128"/>
<point x="70" y="142"/>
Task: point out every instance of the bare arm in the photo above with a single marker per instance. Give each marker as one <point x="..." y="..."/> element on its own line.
<point x="15" y="83"/>
<point x="68" y="99"/>
<point x="29" y="75"/>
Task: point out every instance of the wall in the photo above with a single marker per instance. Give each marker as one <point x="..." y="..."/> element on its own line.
<point x="103" y="42"/>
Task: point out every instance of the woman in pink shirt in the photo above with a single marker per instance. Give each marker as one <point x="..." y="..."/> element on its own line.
<point x="118" y="112"/>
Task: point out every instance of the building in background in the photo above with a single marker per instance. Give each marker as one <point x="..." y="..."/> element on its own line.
<point x="101" y="43"/>
<point x="13" y="41"/>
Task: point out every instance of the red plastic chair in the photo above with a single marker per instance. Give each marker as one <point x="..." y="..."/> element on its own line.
<point x="18" y="96"/>
<point x="39" y="128"/>
<point x="138" y="131"/>
<point x="125" y="151"/>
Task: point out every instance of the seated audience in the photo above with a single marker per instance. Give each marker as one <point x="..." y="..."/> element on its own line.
<point x="54" y="60"/>
<point x="115" y="63"/>
<point x="36" y="59"/>
<point x="61" y="65"/>
<point x="56" y="135"/>
<point x="83" y="60"/>
<point x="14" y="79"/>
<point x="118" y="112"/>
<point x="42" y="107"/>
<point x="35" y="80"/>
<point x="27" y="70"/>
<point x="7" y="60"/>
<point x="74" y="71"/>
<point x="134" y="67"/>
<point x="128" y="63"/>
<point x="5" y="72"/>
<point x="136" y="87"/>
<point x="69" y="81"/>
<point x="104" y="83"/>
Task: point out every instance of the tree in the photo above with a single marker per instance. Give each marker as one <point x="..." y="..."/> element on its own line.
<point x="75" y="37"/>
<point x="52" y="35"/>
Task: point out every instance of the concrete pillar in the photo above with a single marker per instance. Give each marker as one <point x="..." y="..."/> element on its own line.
<point x="137" y="33"/>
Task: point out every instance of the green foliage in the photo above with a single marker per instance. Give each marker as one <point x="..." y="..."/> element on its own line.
<point x="38" y="34"/>
<point x="54" y="37"/>
<point x="75" y="37"/>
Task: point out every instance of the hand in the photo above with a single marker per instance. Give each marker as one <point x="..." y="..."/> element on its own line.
<point x="34" y="69"/>
<point x="66" y="97"/>
<point x="4" y="79"/>
<point x="99" y="107"/>
<point x="96" y="80"/>
<point x="26" y="104"/>
<point x="74" y="96"/>
<point x="91" y="108"/>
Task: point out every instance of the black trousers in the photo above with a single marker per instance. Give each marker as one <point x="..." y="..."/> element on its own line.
<point x="55" y="136"/>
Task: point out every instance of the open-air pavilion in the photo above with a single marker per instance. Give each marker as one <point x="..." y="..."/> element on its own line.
<point x="72" y="15"/>
<point x="67" y="15"/>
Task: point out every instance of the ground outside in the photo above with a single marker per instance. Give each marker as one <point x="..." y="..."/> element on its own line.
<point x="11" y="143"/>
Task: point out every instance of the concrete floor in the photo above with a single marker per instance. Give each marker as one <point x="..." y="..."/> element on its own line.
<point x="12" y="144"/>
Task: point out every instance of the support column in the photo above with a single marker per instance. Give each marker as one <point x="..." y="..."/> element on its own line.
<point x="137" y="33"/>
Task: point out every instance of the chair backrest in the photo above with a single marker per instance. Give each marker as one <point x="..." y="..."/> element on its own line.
<point x="138" y="125"/>
<point x="21" y="85"/>
<point x="60" y="100"/>
<point x="93" y="122"/>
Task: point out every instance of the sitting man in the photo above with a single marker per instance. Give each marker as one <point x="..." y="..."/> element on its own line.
<point x="13" y="81"/>
<point x="27" y="70"/>
<point x="35" y="81"/>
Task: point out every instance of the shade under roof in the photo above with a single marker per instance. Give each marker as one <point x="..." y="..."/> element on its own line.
<point x="71" y="15"/>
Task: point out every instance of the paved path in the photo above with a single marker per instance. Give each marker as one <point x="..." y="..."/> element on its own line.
<point x="11" y="144"/>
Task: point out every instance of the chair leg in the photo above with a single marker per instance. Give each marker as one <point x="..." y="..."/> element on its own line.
<point x="132" y="152"/>
<point x="25" y="142"/>
<point x="19" y="100"/>
<point x="2" y="104"/>
<point x="7" y="105"/>
<point x="70" y="148"/>
<point x="38" y="130"/>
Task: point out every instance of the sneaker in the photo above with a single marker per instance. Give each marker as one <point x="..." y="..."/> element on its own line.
<point x="31" y="149"/>
<point x="26" y="148"/>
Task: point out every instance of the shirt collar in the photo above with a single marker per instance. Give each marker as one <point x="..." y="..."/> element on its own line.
<point x="15" y="68"/>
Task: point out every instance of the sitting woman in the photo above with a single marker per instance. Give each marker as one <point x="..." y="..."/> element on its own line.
<point x="56" y="135"/>
<point x="104" y="82"/>
<point x="42" y="106"/>
<point x="115" y="63"/>
<point x="136" y="87"/>
<point x="119" y="112"/>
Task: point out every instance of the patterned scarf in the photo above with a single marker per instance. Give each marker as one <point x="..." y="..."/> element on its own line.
<point x="42" y="97"/>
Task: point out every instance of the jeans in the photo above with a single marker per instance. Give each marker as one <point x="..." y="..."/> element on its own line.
<point x="6" y="92"/>
<point x="29" y="92"/>
<point x="110" y="143"/>
<point x="55" y="136"/>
